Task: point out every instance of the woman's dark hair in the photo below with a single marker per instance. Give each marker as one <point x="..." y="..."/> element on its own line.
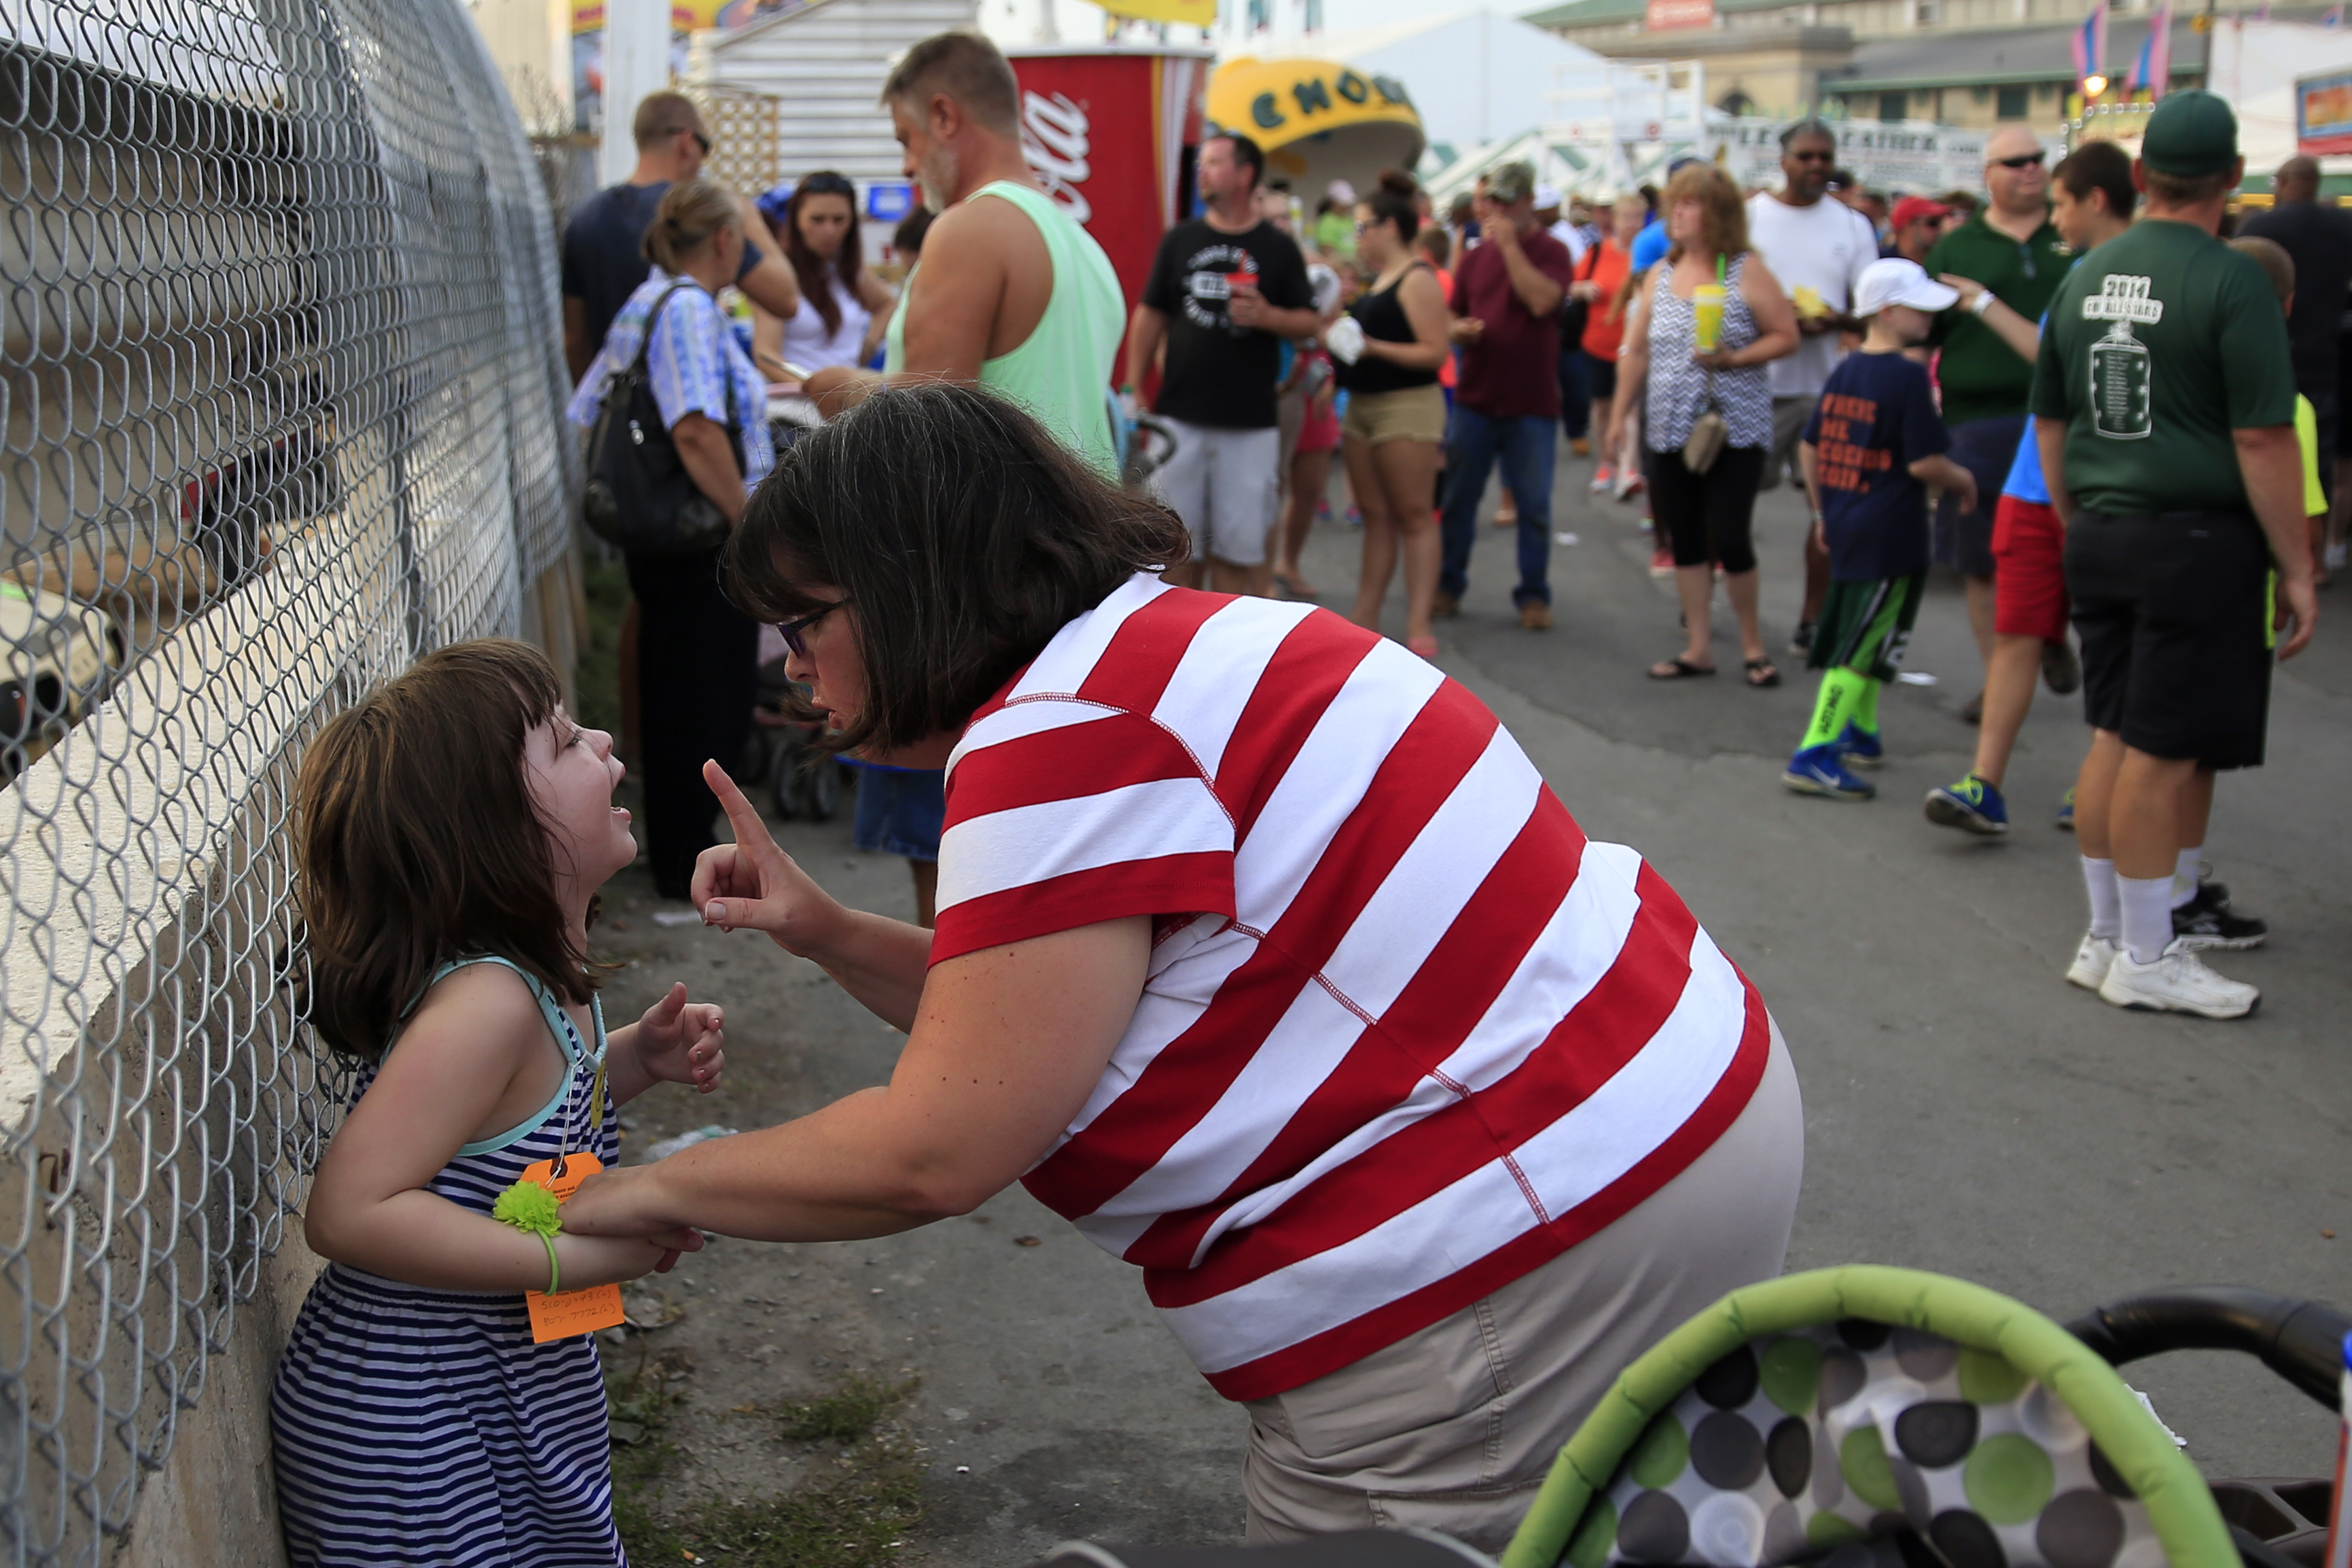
<point x="2099" y="166"/>
<point x="1397" y="201"/>
<point x="908" y="238"/>
<point x="964" y="535"/>
<point x="807" y="264"/>
<point x="418" y="841"/>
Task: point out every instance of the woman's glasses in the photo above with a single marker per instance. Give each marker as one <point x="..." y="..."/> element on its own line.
<point x="790" y="631"/>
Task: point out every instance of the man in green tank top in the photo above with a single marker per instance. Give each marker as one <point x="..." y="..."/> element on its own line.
<point x="1011" y="293"/>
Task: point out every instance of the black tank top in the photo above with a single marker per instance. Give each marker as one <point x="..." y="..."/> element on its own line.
<point x="1382" y="316"/>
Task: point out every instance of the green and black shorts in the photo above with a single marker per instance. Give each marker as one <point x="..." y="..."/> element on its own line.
<point x="1866" y="626"/>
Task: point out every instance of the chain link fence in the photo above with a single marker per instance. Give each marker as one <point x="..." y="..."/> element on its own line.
<point x="280" y="399"/>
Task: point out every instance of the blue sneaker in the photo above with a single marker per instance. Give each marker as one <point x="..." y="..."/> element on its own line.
<point x="1971" y="804"/>
<point x="1859" y="748"/>
<point x="1816" y="770"/>
<point x="2066" y="811"/>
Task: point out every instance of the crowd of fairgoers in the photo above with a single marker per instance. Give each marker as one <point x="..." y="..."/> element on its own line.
<point x="1699" y="345"/>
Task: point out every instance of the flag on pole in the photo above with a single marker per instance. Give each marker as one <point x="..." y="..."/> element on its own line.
<point x="2090" y="42"/>
<point x="2152" y="70"/>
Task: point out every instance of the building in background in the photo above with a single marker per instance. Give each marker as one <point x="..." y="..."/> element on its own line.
<point x="1953" y="62"/>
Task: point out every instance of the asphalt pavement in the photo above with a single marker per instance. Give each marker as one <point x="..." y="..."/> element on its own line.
<point x="1967" y="1111"/>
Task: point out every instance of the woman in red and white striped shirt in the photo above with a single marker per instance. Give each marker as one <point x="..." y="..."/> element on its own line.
<point x="1266" y="956"/>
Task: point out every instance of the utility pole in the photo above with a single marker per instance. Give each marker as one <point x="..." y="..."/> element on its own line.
<point x="636" y="62"/>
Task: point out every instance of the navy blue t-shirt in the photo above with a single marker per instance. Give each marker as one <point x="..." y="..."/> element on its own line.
<point x="1876" y="418"/>
<point x="602" y="263"/>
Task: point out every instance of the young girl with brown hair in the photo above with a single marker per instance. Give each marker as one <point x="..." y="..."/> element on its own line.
<point x="453" y="829"/>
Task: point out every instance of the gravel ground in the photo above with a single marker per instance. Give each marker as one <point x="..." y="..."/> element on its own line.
<point x="1050" y="1404"/>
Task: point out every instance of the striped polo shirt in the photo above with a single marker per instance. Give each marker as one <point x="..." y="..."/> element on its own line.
<point x="1405" y="1036"/>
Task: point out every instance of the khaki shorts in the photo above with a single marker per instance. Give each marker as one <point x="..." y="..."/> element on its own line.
<point x="1454" y="1429"/>
<point x="1414" y="414"/>
<point x="1789" y="416"/>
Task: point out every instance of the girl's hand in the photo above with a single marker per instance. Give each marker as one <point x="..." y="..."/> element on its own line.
<point x="679" y="1041"/>
<point x="1721" y="359"/>
<point x="585" y="1260"/>
<point x="752" y="884"/>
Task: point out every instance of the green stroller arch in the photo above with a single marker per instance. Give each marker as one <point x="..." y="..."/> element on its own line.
<point x="1838" y="1408"/>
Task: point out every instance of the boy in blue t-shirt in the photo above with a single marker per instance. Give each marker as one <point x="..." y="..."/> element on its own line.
<point x="1874" y="444"/>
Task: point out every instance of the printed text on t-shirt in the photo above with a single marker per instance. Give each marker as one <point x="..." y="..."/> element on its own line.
<point x="1838" y="464"/>
<point x="1209" y="274"/>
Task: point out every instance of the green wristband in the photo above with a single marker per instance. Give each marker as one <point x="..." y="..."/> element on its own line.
<point x="554" y="1271"/>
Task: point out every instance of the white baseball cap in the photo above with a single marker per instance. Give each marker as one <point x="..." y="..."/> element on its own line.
<point x="1894" y="281"/>
<point x="1547" y="197"/>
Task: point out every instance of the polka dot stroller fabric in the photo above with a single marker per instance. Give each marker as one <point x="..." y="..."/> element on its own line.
<point x="1816" y="1444"/>
<point x="1844" y="1417"/>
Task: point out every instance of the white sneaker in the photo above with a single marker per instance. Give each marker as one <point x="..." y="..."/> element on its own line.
<point x="2092" y="960"/>
<point x="2177" y="982"/>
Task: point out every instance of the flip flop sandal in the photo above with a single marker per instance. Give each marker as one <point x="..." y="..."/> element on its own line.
<point x="1679" y="669"/>
<point x="1761" y="674"/>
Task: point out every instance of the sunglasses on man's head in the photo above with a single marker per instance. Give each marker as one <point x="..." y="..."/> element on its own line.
<point x="828" y="185"/>
<point x="791" y="630"/>
<point x="2023" y="161"/>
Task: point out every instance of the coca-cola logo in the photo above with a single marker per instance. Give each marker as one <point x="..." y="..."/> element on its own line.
<point x="1054" y="138"/>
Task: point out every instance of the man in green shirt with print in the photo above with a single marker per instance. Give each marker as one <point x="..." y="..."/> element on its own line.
<point x="2013" y="249"/>
<point x="2163" y="406"/>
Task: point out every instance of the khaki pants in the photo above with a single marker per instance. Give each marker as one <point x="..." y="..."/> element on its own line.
<point x="1454" y="1429"/>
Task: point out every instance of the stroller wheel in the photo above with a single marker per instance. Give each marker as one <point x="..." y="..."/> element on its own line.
<point x="821" y="790"/>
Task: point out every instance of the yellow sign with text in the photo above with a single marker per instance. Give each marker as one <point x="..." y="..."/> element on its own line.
<point x="1278" y="101"/>
<point x="1193" y="13"/>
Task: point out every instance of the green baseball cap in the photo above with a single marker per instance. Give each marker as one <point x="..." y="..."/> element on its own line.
<point x="2191" y="133"/>
<point x="1513" y="183"/>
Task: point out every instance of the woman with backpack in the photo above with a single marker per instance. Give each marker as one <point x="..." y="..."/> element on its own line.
<point x="696" y="652"/>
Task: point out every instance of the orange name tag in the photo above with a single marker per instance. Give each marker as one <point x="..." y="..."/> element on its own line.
<point x="570" y="1312"/>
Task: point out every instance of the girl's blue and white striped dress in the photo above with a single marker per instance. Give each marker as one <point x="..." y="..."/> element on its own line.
<point x="417" y="1427"/>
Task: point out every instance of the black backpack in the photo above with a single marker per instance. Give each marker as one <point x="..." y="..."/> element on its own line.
<point x="639" y="496"/>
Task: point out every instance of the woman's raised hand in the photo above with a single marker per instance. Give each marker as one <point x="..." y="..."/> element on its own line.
<point x="752" y="884"/>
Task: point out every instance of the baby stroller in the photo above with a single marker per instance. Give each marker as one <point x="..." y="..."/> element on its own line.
<point x="1873" y="1417"/>
<point x="803" y="781"/>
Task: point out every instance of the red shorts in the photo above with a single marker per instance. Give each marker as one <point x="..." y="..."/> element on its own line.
<point x="2028" y="582"/>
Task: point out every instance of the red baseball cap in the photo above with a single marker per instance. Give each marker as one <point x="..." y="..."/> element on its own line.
<point x="1911" y="209"/>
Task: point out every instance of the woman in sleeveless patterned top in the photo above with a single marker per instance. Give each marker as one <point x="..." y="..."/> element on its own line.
<point x="1707" y="515"/>
<point x="453" y="827"/>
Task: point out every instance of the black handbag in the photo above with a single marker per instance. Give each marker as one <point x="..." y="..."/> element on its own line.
<point x="639" y="496"/>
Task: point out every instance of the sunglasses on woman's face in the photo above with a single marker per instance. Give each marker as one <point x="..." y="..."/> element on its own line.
<point x="792" y="631"/>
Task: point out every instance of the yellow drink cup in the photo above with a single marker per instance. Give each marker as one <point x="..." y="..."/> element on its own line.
<point x="1707" y="317"/>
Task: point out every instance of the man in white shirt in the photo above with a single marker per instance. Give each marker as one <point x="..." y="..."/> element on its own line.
<point x="1817" y="248"/>
<point x="1547" y="213"/>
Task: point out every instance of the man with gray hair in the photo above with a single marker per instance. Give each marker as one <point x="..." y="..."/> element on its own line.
<point x="1011" y="293"/>
<point x="2013" y="249"/>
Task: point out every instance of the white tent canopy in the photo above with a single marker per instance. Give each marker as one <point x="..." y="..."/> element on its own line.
<point x="1473" y="75"/>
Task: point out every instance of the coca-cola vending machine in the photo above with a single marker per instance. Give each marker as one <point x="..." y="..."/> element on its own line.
<point x="1111" y="130"/>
